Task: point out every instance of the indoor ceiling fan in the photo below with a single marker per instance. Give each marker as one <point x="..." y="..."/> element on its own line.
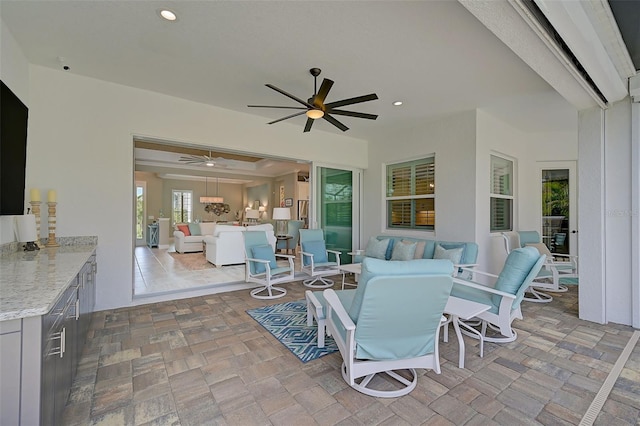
<point x="315" y="107"/>
<point x="202" y="160"/>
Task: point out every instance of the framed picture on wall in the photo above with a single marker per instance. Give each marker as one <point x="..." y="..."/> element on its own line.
<point x="288" y="202"/>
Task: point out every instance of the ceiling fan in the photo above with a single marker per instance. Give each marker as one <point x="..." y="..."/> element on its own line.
<point x="315" y="107"/>
<point x="202" y="160"/>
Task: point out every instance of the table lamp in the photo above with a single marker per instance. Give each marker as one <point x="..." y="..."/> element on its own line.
<point x="253" y="215"/>
<point x="281" y="215"/>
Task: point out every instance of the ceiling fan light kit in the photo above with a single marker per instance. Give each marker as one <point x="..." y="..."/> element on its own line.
<point x="315" y="107"/>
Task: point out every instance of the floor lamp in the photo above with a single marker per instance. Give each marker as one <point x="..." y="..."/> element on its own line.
<point x="281" y="215"/>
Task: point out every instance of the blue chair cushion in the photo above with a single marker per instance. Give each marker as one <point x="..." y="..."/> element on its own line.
<point x="403" y="250"/>
<point x="372" y="267"/>
<point x="318" y="249"/>
<point x="376" y="248"/>
<point x="264" y="253"/>
<point x="516" y="269"/>
<point x="452" y="254"/>
<point x="194" y="229"/>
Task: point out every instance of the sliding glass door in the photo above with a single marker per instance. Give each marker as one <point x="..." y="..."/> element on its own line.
<point x="336" y="193"/>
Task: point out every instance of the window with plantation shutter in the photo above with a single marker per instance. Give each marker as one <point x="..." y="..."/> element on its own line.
<point x="410" y="195"/>
<point x="501" y="193"/>
<point x="182" y="206"/>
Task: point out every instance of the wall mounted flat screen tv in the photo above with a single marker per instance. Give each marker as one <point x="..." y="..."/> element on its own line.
<point x="13" y="152"/>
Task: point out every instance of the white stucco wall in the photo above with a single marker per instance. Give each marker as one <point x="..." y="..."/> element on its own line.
<point x="80" y="144"/>
<point x="496" y="136"/>
<point x="451" y="139"/>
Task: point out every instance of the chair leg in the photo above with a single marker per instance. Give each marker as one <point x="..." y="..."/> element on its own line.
<point x="324" y="283"/>
<point x="538" y="296"/>
<point x="272" y="292"/>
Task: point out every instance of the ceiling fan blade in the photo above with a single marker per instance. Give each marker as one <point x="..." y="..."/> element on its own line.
<point x="287" y="117"/>
<point x="307" y="127"/>
<point x="353" y="114"/>
<point x="318" y="100"/>
<point x="295" y="98"/>
<point x="274" y="106"/>
<point x="351" y="101"/>
<point x="335" y="122"/>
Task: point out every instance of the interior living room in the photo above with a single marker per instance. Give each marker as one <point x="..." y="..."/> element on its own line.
<point x="494" y="97"/>
<point x="177" y="184"/>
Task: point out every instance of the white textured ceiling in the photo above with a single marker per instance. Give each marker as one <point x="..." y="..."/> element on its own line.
<point x="433" y="55"/>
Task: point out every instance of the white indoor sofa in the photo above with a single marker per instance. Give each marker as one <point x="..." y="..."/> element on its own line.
<point x="192" y="243"/>
<point x="226" y="245"/>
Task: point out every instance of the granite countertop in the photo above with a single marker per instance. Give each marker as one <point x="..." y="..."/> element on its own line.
<point x="31" y="282"/>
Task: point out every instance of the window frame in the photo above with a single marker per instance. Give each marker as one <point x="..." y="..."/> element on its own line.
<point x="509" y="221"/>
<point x="388" y="168"/>
<point x="173" y="210"/>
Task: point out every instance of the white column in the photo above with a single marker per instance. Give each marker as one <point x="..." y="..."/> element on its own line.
<point x="591" y="210"/>
<point x="635" y="209"/>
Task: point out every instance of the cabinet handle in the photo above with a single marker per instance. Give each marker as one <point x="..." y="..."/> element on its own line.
<point x="63" y="342"/>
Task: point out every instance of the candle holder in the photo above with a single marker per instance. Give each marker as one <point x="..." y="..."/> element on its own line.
<point x="35" y="208"/>
<point x="52" y="225"/>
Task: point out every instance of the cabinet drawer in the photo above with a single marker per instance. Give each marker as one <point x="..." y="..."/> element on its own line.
<point x="10" y="326"/>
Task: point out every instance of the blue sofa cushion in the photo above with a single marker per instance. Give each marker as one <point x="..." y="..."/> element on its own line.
<point x="377" y="248"/>
<point x="263" y="253"/>
<point x="318" y="249"/>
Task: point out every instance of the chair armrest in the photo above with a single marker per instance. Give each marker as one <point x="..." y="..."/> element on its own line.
<point x="483" y="288"/>
<point x="334" y="303"/>
<point x="178" y="234"/>
<point x="466" y="266"/>
<point x="336" y="254"/>
<point x="486" y="274"/>
<point x="257" y="260"/>
<point x="287" y="256"/>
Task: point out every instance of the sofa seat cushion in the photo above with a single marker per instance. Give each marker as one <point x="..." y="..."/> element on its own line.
<point x="193" y="239"/>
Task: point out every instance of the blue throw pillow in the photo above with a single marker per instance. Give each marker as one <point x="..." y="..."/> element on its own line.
<point x="263" y="253"/>
<point x="454" y="254"/>
<point x="403" y="251"/>
<point x="194" y="229"/>
<point x="317" y="249"/>
<point x="376" y="248"/>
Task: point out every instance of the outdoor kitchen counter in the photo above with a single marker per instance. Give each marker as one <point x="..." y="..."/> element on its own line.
<point x="32" y="282"/>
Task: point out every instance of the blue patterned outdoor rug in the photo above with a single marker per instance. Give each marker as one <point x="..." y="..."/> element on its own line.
<point x="287" y="322"/>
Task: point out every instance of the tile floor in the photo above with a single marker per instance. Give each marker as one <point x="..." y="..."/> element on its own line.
<point x="161" y="271"/>
<point x="204" y="361"/>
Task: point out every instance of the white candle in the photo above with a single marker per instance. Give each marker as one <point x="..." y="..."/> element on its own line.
<point x="35" y="194"/>
<point x="51" y="196"/>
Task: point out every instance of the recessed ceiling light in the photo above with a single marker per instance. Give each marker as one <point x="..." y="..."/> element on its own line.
<point x="168" y="15"/>
<point x="397" y="103"/>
